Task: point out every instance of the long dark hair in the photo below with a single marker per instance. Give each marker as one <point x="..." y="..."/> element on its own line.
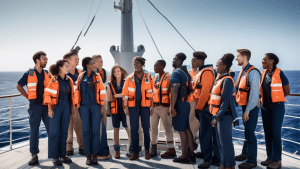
<point x="86" y="61"/>
<point x="113" y="77"/>
<point x="54" y="69"/>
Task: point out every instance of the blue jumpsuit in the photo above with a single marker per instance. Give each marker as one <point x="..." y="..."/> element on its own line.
<point x="59" y="124"/>
<point x="37" y="111"/>
<point x="226" y="115"/>
<point x="92" y="126"/>
<point x="181" y="121"/>
<point x="272" y="117"/>
<point x="134" y="115"/>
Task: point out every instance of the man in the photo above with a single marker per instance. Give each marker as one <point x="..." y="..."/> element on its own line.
<point x="160" y="110"/>
<point x="36" y="79"/>
<point x="194" y="122"/>
<point x="98" y="64"/>
<point x="203" y="85"/>
<point x="75" y="121"/>
<point x="247" y="95"/>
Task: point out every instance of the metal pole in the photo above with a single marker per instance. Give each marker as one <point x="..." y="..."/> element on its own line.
<point x="10" y="122"/>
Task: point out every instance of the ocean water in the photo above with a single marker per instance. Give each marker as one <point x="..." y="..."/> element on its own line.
<point x="8" y="82"/>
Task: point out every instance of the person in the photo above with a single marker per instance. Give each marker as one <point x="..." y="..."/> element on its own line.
<point x="75" y="121"/>
<point x="36" y="79"/>
<point x="247" y="95"/>
<point x="202" y="86"/>
<point x="222" y="109"/>
<point x="116" y="104"/>
<point x="274" y="88"/>
<point x="59" y="96"/>
<point x="137" y="92"/>
<point x="194" y="122"/>
<point x="180" y="83"/>
<point x="160" y="110"/>
<point x="90" y="94"/>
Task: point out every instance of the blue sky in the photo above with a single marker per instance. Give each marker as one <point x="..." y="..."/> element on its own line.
<point x="215" y="27"/>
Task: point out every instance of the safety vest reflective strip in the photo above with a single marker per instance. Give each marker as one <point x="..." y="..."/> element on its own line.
<point x="198" y="88"/>
<point x="277" y="93"/>
<point x="114" y="103"/>
<point x="242" y="88"/>
<point x="32" y="82"/>
<point x="193" y="75"/>
<point x="161" y="89"/>
<point x="216" y="95"/>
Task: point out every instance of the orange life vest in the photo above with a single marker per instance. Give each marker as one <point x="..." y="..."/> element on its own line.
<point x="32" y="82"/>
<point x="243" y="88"/>
<point x="193" y="75"/>
<point x="216" y="95"/>
<point x="114" y="102"/>
<point x="129" y="90"/>
<point x="103" y="74"/>
<point x="52" y="92"/>
<point x="277" y="94"/>
<point x="161" y="90"/>
<point x="100" y="91"/>
<point x="198" y="87"/>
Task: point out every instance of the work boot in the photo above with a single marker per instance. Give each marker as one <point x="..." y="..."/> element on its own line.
<point x="266" y="162"/>
<point x="94" y="159"/>
<point x="56" y="162"/>
<point x="181" y="160"/>
<point x="34" y="160"/>
<point x="130" y="151"/>
<point x="65" y="159"/>
<point x="147" y="154"/>
<point x="117" y="154"/>
<point x="171" y="152"/>
<point x="81" y="151"/>
<point x="199" y="155"/>
<point x="247" y="165"/>
<point x="134" y="156"/>
<point x="192" y="156"/>
<point x="153" y="150"/>
<point x="70" y="152"/>
<point x="205" y="164"/>
<point x="88" y="160"/>
<point x="241" y="157"/>
<point x="274" y="165"/>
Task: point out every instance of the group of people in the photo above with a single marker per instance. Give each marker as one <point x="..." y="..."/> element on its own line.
<point x="203" y="99"/>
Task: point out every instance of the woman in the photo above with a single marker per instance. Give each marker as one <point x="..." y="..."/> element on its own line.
<point x="90" y="94"/>
<point x="116" y="104"/>
<point x="59" y="97"/>
<point x="138" y="95"/>
<point x="274" y="87"/>
<point x="223" y="110"/>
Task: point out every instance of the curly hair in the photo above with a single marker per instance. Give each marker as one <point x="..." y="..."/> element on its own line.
<point x="54" y="69"/>
<point x="140" y="59"/>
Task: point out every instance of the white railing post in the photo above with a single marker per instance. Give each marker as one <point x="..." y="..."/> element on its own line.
<point x="10" y="122"/>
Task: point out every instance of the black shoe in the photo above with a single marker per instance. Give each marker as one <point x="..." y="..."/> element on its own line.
<point x="57" y="162"/>
<point x="94" y="160"/>
<point x="153" y="151"/>
<point x="88" y="160"/>
<point x="130" y="152"/>
<point x="34" y="160"/>
<point x="247" y="165"/>
<point x="70" y="152"/>
<point x="205" y="164"/>
<point x="195" y="146"/>
<point x="216" y="163"/>
<point x="192" y="157"/>
<point x="65" y="159"/>
<point x="180" y="160"/>
<point x="81" y="151"/>
<point x="199" y="155"/>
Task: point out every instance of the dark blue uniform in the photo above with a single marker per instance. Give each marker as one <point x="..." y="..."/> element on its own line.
<point x="272" y="117"/>
<point x="134" y="115"/>
<point x="59" y="124"/>
<point x="92" y="125"/>
<point x="37" y="111"/>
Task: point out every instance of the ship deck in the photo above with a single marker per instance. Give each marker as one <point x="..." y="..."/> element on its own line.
<point x="20" y="155"/>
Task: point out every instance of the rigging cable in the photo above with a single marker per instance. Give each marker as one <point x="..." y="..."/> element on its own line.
<point x="149" y="30"/>
<point x="84" y="25"/>
<point x="171" y="24"/>
<point x="93" y="19"/>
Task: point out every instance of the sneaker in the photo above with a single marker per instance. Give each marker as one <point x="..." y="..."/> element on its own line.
<point x="34" y="160"/>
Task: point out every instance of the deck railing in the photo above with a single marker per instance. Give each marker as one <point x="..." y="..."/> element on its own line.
<point x="11" y="120"/>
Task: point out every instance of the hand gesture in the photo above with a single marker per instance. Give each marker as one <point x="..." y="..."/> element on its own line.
<point x="245" y="117"/>
<point x="50" y="113"/>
